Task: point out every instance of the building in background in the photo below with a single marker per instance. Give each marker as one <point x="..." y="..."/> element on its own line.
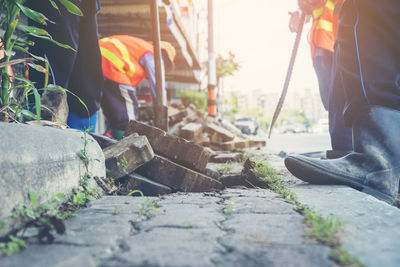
<point x="182" y="22"/>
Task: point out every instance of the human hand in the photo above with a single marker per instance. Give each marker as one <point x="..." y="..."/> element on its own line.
<point x="294" y="21"/>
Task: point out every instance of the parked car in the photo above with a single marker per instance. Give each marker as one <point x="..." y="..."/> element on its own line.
<point x="247" y="125"/>
<point x="290" y="127"/>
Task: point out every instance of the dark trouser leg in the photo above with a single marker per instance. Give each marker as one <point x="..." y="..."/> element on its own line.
<point x="116" y="107"/>
<point x="322" y="62"/>
<point x="369" y="54"/>
<point x="341" y="136"/>
<point x="86" y="79"/>
<point x="369" y="64"/>
<point x="65" y="30"/>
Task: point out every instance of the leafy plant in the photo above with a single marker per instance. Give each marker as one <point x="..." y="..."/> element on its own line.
<point x="197" y="98"/>
<point x="11" y="106"/>
<point x="11" y="245"/>
<point x="123" y="163"/>
<point x="42" y="215"/>
<point x="147" y="205"/>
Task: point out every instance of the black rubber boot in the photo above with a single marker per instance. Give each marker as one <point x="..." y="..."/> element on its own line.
<point x="373" y="167"/>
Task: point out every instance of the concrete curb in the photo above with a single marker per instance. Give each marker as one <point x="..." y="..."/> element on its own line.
<point x="44" y="159"/>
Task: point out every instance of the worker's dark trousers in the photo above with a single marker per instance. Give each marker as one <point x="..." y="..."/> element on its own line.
<point x="79" y="71"/>
<point x="332" y="96"/>
<point x="119" y="105"/>
<point x="368" y="54"/>
<point x="341" y="135"/>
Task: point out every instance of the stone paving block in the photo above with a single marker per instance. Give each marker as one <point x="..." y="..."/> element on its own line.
<point x="175" y="148"/>
<point x="226" y="157"/>
<point x="136" y="181"/>
<point x="257" y="142"/>
<point x="178" y="177"/>
<point x="220" y="133"/>
<point x="127" y="155"/>
<point x="191" y="130"/>
<point x="176" y="115"/>
<point x="228" y="146"/>
<point x="57" y="106"/>
<point x="103" y="141"/>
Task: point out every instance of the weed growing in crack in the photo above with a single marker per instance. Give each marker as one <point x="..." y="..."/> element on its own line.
<point x="147" y="205"/>
<point x="228" y="210"/>
<point x="123" y="164"/>
<point x="325" y="230"/>
<point x="40" y="214"/>
<point x="11" y="245"/>
<point x="227" y="167"/>
<point x="116" y="210"/>
<point x="344" y="258"/>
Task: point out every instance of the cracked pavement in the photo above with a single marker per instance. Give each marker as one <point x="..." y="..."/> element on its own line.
<point x="237" y="227"/>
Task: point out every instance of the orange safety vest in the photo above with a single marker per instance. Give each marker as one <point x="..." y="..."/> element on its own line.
<point x="120" y="57"/>
<point x="324" y="27"/>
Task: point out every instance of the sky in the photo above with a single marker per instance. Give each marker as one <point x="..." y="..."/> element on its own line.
<point x="257" y="32"/>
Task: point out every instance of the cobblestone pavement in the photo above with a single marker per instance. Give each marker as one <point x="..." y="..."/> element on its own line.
<point x="237" y="227"/>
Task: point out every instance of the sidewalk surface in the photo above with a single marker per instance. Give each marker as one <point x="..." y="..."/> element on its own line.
<point x="237" y="227"/>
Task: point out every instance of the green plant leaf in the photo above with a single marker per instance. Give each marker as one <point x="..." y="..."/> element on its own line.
<point x="32" y="14"/>
<point x="38" y="104"/>
<point x="28" y="114"/>
<point x="34" y="30"/>
<point x="62" y="196"/>
<point x="46" y="207"/>
<point x="33" y="196"/>
<point x="54" y="4"/>
<point x="71" y="7"/>
<point x="16" y="47"/>
<point x="23" y="79"/>
<point x="38" y="67"/>
<point x="136" y="191"/>
<point x="52" y="40"/>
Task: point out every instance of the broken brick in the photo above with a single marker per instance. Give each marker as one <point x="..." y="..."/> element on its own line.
<point x="219" y="134"/>
<point x="226" y="157"/>
<point x="128" y="154"/>
<point x="103" y="141"/>
<point x="177" y="149"/>
<point x="178" y="177"/>
<point x="191" y="131"/>
<point x="136" y="181"/>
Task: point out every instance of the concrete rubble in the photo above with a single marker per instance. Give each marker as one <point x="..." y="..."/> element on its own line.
<point x="193" y="125"/>
<point x="127" y="155"/>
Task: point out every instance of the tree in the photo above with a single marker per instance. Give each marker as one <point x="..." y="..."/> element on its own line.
<point x="226" y="67"/>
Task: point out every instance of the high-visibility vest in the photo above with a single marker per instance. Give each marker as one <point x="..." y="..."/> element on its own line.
<point x="120" y="57"/>
<point x="324" y="27"/>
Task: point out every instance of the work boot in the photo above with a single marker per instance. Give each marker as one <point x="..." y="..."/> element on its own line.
<point x="373" y="167"/>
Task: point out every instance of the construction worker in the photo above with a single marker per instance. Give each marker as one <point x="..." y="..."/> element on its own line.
<point x="368" y="63"/>
<point x="126" y="62"/>
<point x="322" y="38"/>
<point x="77" y="70"/>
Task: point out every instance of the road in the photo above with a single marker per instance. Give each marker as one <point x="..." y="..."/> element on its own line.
<point x="298" y="143"/>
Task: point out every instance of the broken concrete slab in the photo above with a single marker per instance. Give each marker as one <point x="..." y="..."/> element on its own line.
<point x="127" y="155"/>
<point x="43" y="159"/>
<point x="191" y="131"/>
<point x="226" y="157"/>
<point x="176" y="115"/>
<point x="103" y="141"/>
<point x="54" y="105"/>
<point x="136" y="181"/>
<point x="219" y="134"/>
<point x="177" y="149"/>
<point x="178" y="177"/>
